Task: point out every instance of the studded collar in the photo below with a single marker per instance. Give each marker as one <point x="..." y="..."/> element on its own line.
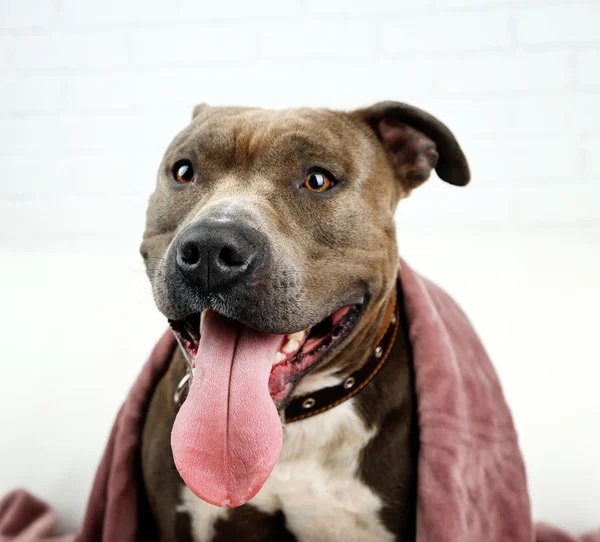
<point x="311" y="404"/>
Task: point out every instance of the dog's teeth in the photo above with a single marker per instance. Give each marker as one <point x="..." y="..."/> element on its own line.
<point x="202" y="320"/>
<point x="279" y="357"/>
<point x="298" y="336"/>
<point x="291" y="346"/>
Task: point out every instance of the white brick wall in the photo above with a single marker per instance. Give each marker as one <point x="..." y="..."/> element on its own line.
<point x="587" y="73"/>
<point x="94" y="83"/>
<point x="564" y="23"/>
<point x="446" y="31"/>
<point x="503" y="73"/>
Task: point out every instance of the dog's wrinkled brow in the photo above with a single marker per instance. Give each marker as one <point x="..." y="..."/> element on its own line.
<point x="310" y="153"/>
<point x="292" y="151"/>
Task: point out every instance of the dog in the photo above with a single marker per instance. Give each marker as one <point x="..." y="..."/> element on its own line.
<point x="270" y="246"/>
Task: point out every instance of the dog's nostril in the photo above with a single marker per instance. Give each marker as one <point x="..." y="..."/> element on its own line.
<point x="231" y="257"/>
<point x="189" y="253"/>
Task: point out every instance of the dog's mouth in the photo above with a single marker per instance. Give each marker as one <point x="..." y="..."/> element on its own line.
<point x="227" y="434"/>
<point x="296" y="355"/>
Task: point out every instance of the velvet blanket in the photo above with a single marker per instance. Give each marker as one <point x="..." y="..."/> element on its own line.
<point x="472" y="483"/>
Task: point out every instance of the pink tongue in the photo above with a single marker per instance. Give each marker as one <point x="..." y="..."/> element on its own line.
<point x="227" y="435"/>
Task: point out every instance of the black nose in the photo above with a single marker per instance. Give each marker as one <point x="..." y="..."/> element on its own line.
<point x="214" y="255"/>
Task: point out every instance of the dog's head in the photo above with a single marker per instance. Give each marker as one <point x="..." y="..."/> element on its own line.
<point x="277" y="219"/>
<point x="282" y="222"/>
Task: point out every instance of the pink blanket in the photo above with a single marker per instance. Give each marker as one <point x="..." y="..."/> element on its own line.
<point x="472" y="484"/>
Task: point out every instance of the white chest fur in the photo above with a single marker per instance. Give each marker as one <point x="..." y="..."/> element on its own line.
<point x="315" y="484"/>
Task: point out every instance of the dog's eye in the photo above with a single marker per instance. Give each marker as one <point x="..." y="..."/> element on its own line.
<point x="318" y="181"/>
<point x="183" y="172"/>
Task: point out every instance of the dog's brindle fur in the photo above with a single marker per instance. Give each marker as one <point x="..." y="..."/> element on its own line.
<point x="349" y="473"/>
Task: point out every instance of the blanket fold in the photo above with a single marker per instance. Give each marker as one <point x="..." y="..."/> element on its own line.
<point x="471" y="482"/>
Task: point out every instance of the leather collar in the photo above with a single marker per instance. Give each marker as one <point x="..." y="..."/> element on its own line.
<point x="305" y="406"/>
<point x="318" y="401"/>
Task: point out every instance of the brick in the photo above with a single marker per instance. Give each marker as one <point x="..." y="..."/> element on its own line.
<point x="190" y="46"/>
<point x="237" y="9"/>
<point x="30" y="93"/>
<point x="348" y="85"/>
<point x="591" y="163"/>
<point x="75" y="12"/>
<point x="72" y="134"/>
<point x="318" y="39"/>
<point x="20" y="52"/>
<point x="438" y="204"/>
<point x="573" y="22"/>
<point x="559" y="203"/>
<point x="47" y="51"/>
<point x="25" y="13"/>
<point x="511" y="160"/>
<point x="132" y="90"/>
<point x="479" y="3"/>
<point x="503" y="72"/>
<point x="443" y="32"/>
<point x="586" y="118"/>
<point x="587" y="69"/>
<point x="118" y="173"/>
<point x="503" y="116"/>
<point x="71" y="217"/>
<point x="362" y="8"/>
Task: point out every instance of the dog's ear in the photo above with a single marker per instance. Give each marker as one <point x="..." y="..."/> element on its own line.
<point x="416" y="142"/>
<point x="199" y="108"/>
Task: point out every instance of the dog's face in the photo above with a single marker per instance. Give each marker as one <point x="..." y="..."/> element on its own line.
<point x="283" y="220"/>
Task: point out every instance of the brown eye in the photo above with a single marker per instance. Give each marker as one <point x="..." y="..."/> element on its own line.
<point x="183" y="171"/>
<point x="318" y="182"/>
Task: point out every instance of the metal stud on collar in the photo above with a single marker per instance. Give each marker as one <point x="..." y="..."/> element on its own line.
<point x="349" y="382"/>
<point x="378" y="351"/>
<point x="308" y="403"/>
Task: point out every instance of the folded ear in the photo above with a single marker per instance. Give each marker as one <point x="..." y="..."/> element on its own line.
<point x="416" y="142"/>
